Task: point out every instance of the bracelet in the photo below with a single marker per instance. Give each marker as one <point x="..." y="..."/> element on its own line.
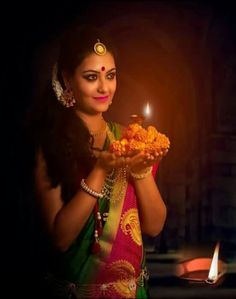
<point x="141" y="175"/>
<point x="91" y="192"/>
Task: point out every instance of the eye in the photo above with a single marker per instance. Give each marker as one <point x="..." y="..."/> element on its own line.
<point x="111" y="76"/>
<point x="91" y="77"/>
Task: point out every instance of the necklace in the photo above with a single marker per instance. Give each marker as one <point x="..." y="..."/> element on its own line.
<point x="118" y="176"/>
<point x="113" y="190"/>
<point x="100" y="131"/>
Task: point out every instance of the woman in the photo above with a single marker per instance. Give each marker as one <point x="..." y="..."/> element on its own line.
<point x="94" y="205"/>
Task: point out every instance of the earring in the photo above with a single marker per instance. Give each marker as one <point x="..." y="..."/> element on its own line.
<point x="67" y="98"/>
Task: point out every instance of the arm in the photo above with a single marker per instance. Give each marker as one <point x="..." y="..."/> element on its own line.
<point x="64" y="222"/>
<point x="152" y="209"/>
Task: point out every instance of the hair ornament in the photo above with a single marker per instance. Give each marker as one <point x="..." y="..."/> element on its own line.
<point x="100" y="48"/>
<point x="65" y="97"/>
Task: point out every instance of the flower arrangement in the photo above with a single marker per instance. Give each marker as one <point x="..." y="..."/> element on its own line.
<point x="136" y="139"/>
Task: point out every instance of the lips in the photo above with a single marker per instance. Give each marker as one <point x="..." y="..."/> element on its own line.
<point x="101" y="98"/>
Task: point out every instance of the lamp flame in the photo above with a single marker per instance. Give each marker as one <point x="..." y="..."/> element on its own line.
<point x="147" y="110"/>
<point x="213" y="273"/>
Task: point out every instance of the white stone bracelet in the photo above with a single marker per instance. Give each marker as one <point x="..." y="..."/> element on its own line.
<point x="142" y="175"/>
<point x="88" y="190"/>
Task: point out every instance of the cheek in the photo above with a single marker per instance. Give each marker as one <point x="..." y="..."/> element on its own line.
<point x="85" y="89"/>
<point x="114" y="87"/>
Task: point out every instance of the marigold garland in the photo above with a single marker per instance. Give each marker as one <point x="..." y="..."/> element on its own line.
<point x="136" y="138"/>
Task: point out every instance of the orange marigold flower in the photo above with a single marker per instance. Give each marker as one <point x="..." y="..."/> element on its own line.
<point x="136" y="145"/>
<point x="137" y="138"/>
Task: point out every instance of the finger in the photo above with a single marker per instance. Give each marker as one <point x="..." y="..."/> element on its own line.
<point x="114" y="157"/>
<point x="166" y="151"/>
<point x="136" y="152"/>
<point x="155" y="154"/>
<point x="120" y="162"/>
<point x="127" y="161"/>
<point x="132" y="153"/>
<point x="139" y="160"/>
<point x="123" y="161"/>
<point x="147" y="155"/>
<point x="136" y="158"/>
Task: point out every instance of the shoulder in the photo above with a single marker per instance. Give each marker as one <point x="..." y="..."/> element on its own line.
<point x="117" y="128"/>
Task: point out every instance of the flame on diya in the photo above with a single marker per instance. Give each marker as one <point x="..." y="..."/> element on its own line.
<point x="202" y="271"/>
<point x="140" y="118"/>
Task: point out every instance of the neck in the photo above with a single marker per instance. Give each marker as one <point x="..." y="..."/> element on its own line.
<point x="94" y="123"/>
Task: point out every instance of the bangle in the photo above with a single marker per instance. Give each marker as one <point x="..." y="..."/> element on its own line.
<point x="141" y="175"/>
<point x="88" y="190"/>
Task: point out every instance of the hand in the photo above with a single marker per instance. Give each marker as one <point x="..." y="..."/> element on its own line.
<point x="139" y="162"/>
<point x="108" y="161"/>
<point x="153" y="158"/>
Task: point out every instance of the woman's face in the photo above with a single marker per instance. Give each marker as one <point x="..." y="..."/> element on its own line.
<point x="94" y="83"/>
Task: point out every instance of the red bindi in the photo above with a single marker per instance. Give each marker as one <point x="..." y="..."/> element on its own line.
<point x="103" y="68"/>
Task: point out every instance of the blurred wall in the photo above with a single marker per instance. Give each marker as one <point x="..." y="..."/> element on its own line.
<point x="179" y="57"/>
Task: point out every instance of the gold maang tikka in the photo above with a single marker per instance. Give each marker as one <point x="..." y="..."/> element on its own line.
<point x="99" y="48"/>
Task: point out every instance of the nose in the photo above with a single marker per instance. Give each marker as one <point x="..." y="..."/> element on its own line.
<point x="102" y="86"/>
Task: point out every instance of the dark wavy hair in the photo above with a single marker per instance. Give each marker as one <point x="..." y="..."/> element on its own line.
<point x="61" y="135"/>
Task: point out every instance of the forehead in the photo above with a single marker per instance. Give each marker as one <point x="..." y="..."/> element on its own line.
<point x="96" y="62"/>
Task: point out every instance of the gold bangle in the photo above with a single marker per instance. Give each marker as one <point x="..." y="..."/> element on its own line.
<point x="141" y="175"/>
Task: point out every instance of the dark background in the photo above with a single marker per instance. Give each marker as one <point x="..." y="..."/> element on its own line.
<point x="177" y="55"/>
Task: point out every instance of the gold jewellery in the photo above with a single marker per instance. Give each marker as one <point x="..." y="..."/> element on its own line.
<point x="100" y="131"/>
<point x="141" y="175"/>
<point x="99" y="48"/>
<point x="65" y="97"/>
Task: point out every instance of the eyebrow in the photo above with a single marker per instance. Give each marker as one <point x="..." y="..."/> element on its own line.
<point x="97" y="72"/>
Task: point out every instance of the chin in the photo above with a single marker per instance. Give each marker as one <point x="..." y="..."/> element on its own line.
<point x="104" y="108"/>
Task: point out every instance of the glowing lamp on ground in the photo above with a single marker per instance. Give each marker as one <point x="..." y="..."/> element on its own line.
<point x="202" y="271"/>
<point x="214" y="274"/>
